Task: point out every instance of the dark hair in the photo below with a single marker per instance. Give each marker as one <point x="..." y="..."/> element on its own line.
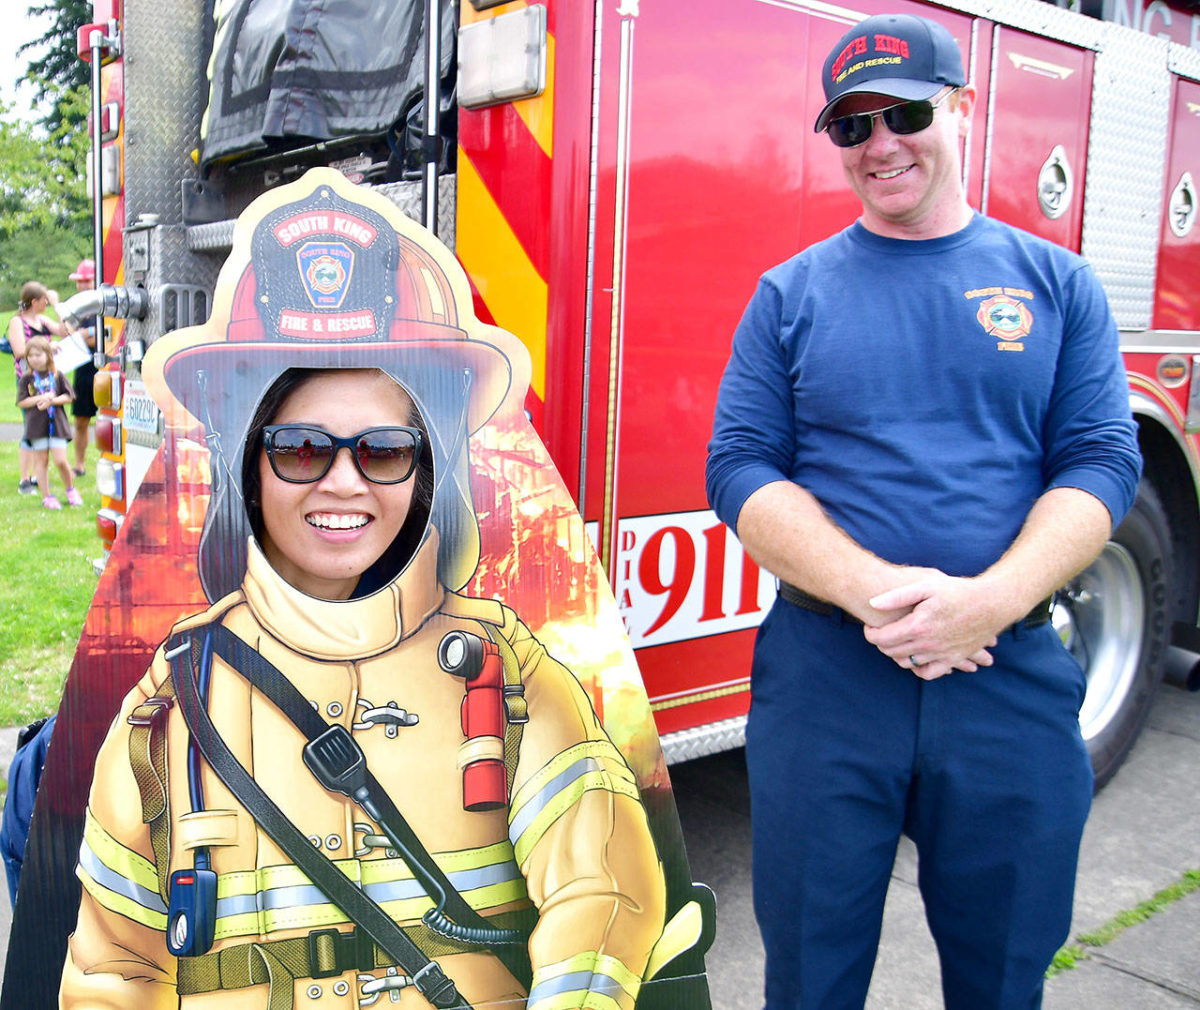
<point x="402" y="549"/>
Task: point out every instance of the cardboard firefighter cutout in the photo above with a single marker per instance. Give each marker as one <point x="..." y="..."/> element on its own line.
<point x="366" y="761"/>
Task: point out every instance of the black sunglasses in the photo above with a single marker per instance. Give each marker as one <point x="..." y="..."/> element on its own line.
<point x="904" y="119"/>
<point x="304" y="453"/>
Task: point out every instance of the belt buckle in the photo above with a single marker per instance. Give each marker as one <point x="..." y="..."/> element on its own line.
<point x="329" y="955"/>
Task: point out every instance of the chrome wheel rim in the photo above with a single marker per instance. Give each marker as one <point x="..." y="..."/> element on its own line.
<point x="1100" y="617"/>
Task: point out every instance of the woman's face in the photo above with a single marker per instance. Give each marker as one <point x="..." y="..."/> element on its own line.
<point x="322" y="536"/>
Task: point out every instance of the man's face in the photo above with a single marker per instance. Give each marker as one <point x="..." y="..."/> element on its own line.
<point x="910" y="185"/>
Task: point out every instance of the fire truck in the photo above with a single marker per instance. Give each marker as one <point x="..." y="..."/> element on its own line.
<point x="614" y="175"/>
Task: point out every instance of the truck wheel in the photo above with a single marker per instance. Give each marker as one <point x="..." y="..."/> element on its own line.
<point x="1113" y="619"/>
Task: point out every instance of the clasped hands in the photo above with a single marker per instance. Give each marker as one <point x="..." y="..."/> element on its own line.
<point x="936" y="623"/>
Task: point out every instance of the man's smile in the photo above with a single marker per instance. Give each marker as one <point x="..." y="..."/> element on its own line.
<point x="891" y="173"/>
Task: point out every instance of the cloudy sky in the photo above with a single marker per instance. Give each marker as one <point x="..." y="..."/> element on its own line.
<point x="12" y="67"/>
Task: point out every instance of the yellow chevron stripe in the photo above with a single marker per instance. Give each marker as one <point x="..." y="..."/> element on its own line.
<point x="538" y="113"/>
<point x="514" y="292"/>
<point x="108" y="210"/>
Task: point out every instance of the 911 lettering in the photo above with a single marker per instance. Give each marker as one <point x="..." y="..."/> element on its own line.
<point x="684" y="575"/>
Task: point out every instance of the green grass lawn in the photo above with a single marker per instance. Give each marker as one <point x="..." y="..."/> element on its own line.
<point x="47" y="586"/>
<point x="9" y="411"/>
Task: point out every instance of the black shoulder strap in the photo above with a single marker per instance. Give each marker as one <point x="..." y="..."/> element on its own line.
<point x="427" y="975"/>
<point x="283" y="694"/>
<point x="452" y="916"/>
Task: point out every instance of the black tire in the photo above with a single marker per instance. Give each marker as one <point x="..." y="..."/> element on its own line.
<point x="1113" y="617"/>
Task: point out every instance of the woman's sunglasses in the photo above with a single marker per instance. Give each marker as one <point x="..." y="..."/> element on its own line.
<point x="303" y="453"/>
<point x="904" y="119"/>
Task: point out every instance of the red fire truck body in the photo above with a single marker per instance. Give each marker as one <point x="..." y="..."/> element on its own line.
<point x="615" y="207"/>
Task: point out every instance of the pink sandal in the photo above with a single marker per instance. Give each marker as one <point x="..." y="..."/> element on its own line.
<point x="50" y="502"/>
<point x="73" y="497"/>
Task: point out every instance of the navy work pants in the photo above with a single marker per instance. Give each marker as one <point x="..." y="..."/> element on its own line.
<point x="986" y="772"/>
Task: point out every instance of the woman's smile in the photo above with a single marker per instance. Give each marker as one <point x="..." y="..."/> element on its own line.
<point x="322" y="535"/>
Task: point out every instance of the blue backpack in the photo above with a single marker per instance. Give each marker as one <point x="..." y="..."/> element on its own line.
<point x="23" y="776"/>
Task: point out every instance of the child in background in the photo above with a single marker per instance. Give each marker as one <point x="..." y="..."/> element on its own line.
<point x="29" y="322"/>
<point x="41" y="394"/>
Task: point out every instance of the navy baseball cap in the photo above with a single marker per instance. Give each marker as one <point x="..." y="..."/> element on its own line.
<point x="899" y="55"/>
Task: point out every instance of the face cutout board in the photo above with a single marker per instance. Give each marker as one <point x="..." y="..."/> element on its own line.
<point x="359" y="726"/>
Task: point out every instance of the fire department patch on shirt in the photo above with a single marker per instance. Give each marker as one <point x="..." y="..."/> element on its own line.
<point x="1003" y="315"/>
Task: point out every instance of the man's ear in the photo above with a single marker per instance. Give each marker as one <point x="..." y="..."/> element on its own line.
<point x="965" y="105"/>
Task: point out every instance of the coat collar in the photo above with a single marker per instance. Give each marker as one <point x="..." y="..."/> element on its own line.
<point x="344" y="629"/>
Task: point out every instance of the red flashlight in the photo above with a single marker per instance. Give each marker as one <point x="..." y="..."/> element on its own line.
<point x="481" y="756"/>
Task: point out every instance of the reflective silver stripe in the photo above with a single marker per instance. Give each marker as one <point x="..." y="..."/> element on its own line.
<point x="111" y="880"/>
<point x="238" y="904"/>
<point x="533" y="806"/>
<point x="576" y="981"/>
<point x="293" y="897"/>
<point x="464" y="881"/>
<point x="301" y="895"/>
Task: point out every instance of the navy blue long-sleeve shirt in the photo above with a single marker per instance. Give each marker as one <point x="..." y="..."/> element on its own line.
<point x="927" y="392"/>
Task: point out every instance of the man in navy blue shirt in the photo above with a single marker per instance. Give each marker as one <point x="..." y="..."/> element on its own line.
<point x="919" y="509"/>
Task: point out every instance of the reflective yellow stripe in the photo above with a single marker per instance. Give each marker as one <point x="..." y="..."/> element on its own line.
<point x="260" y="901"/>
<point x="602" y="750"/>
<point x="116" y="856"/>
<point x="118" y="878"/>
<point x="254" y="902"/>
<point x="559" y="785"/>
<point x="590" y="980"/>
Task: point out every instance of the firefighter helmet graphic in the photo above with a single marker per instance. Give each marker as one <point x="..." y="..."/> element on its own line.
<point x="326" y="275"/>
<point x="1005" y="318"/>
<point x="362" y="291"/>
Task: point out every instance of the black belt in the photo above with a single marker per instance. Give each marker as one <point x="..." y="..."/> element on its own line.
<point x="1038" y="616"/>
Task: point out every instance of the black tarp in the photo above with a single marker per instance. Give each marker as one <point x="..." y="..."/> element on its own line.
<point x="289" y="72"/>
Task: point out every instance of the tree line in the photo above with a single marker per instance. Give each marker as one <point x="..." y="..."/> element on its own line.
<point x="45" y="209"/>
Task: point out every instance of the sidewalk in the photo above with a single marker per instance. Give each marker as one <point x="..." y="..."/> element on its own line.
<point x="1143" y="833"/>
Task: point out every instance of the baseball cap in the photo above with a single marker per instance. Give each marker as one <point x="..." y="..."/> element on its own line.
<point x="86" y="271"/>
<point x="899" y="55"/>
